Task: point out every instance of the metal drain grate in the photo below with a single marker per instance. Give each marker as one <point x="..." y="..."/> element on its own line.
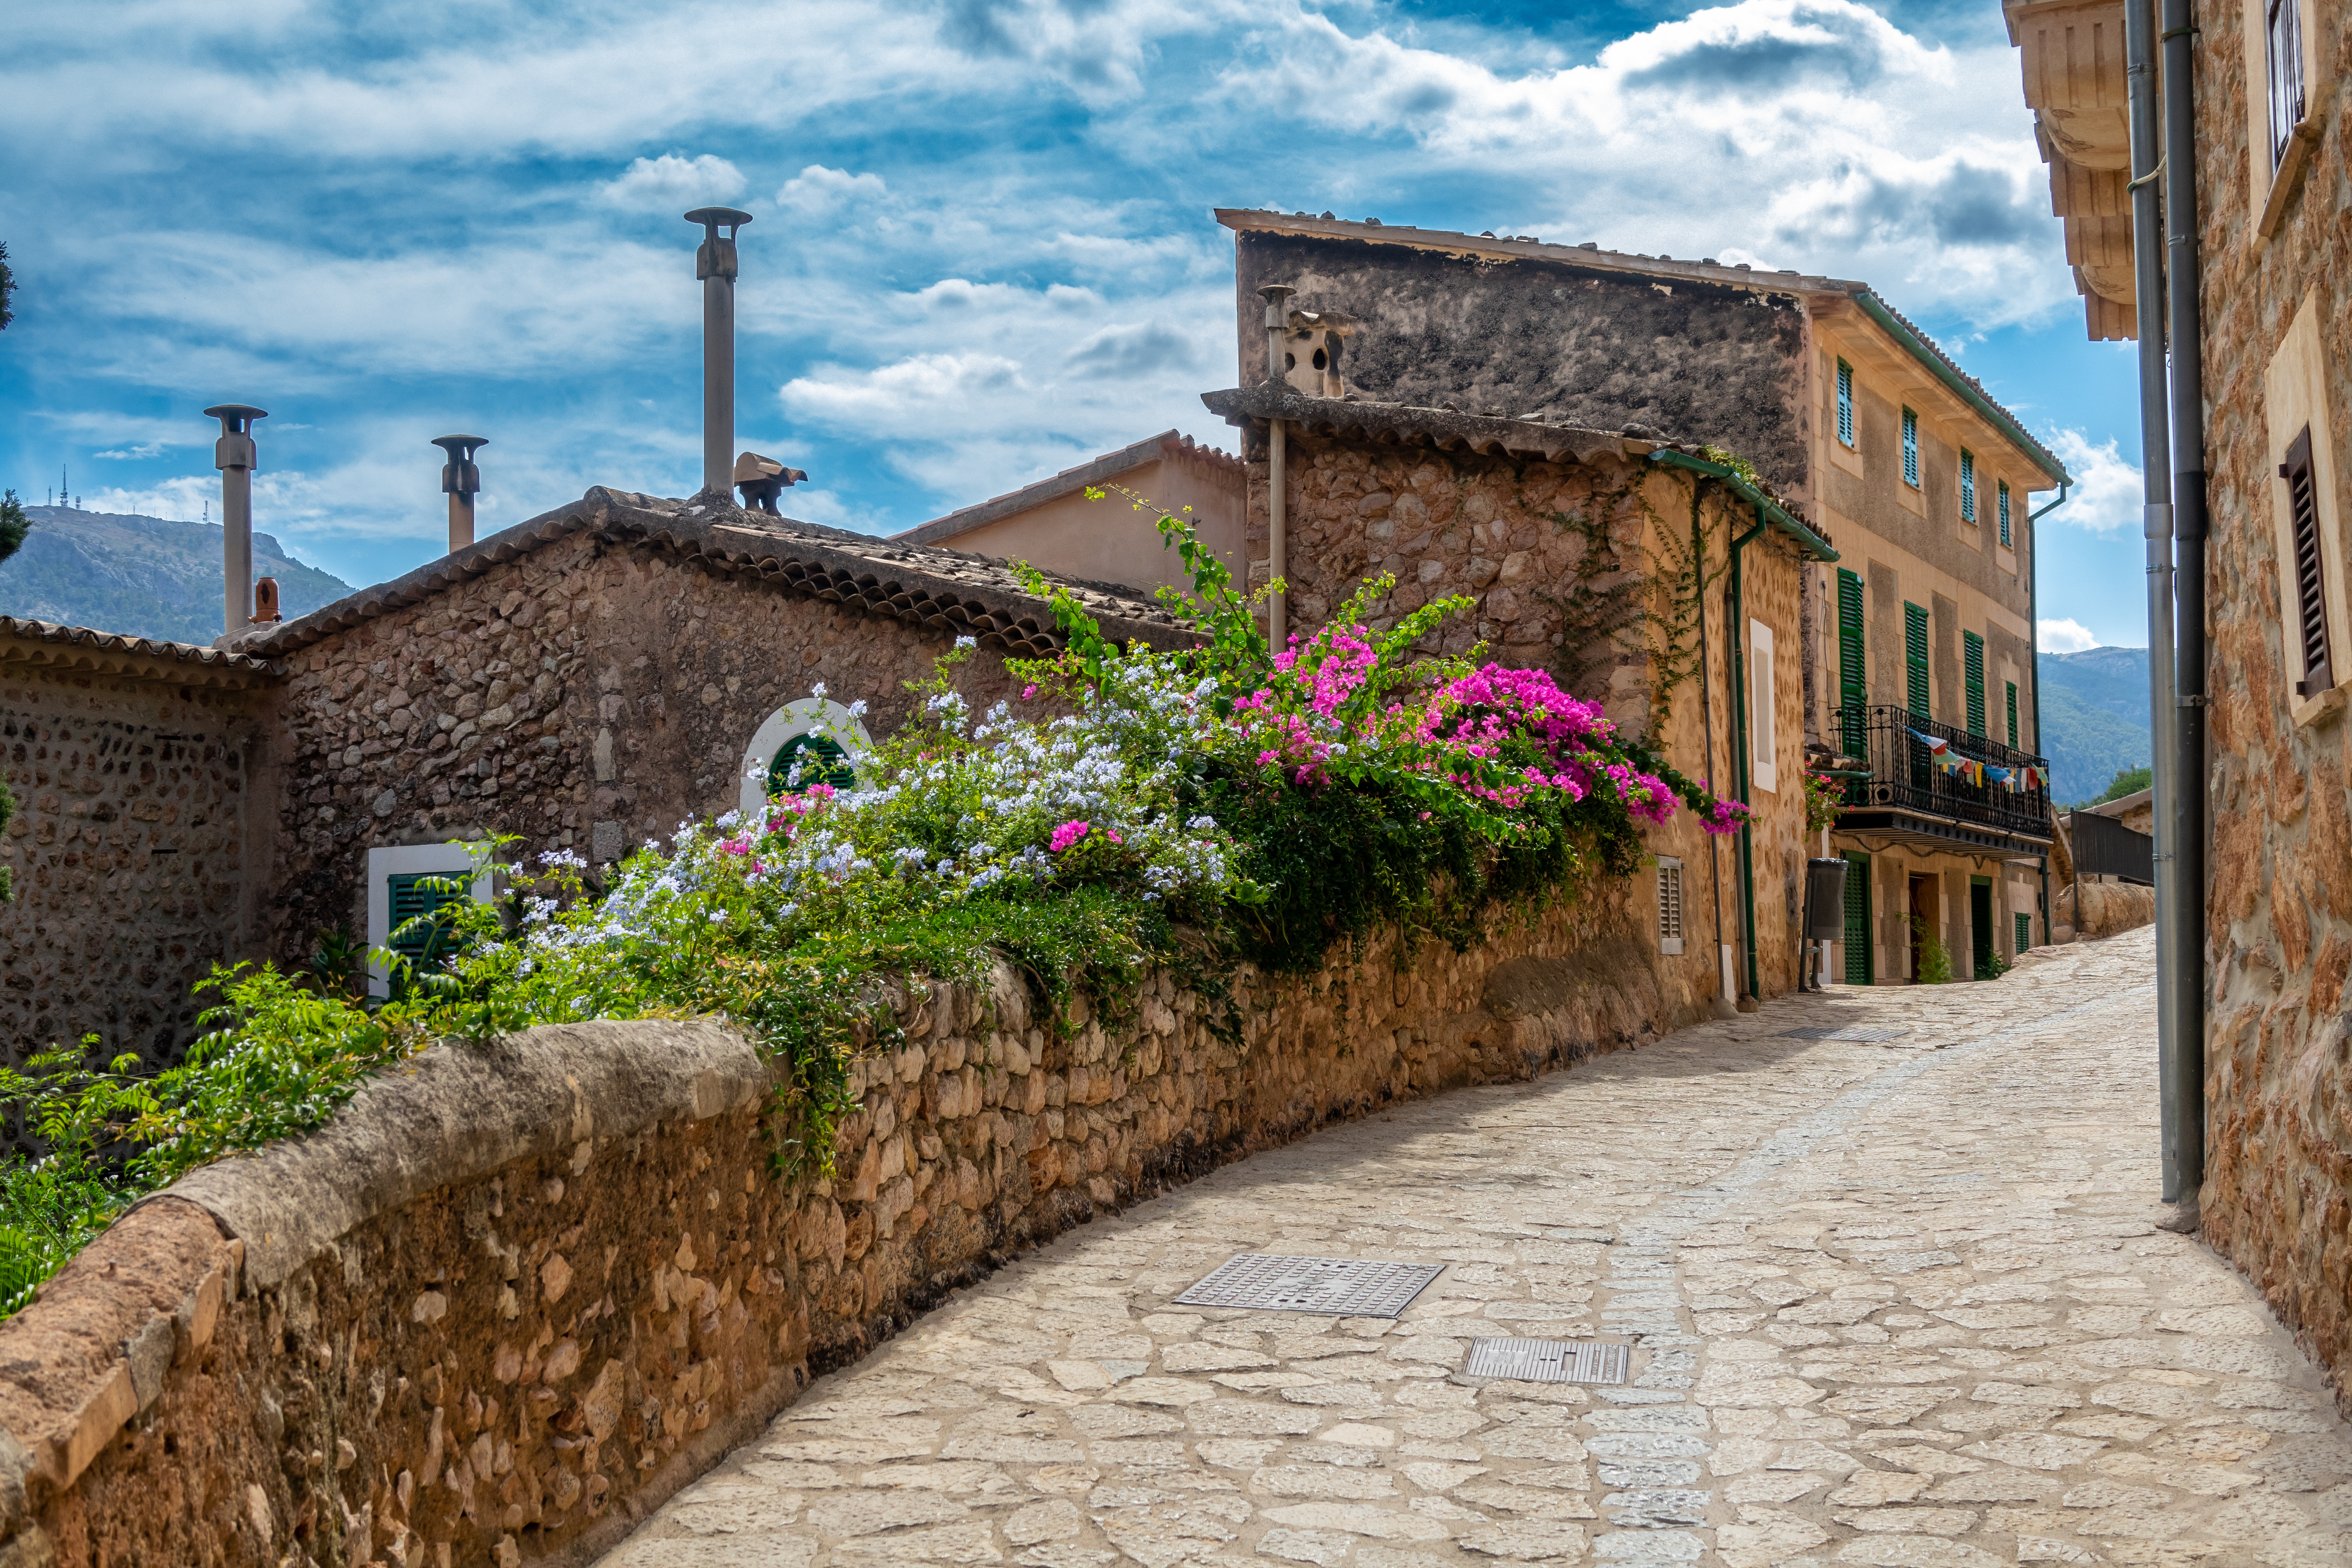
<point x="1854" y="1033"/>
<point x="1546" y="1361"/>
<point x="1342" y="1287"/>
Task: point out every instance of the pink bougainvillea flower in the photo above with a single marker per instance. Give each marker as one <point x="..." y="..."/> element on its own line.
<point x="1069" y="833"/>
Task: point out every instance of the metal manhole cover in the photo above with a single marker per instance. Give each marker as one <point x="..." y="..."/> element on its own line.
<point x="1854" y="1033"/>
<point x="1342" y="1287"/>
<point x="1546" y="1361"/>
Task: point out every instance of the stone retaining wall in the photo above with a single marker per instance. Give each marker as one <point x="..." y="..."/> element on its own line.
<point x="515" y="1295"/>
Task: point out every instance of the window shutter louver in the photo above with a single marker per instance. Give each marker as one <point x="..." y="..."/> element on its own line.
<point x="2310" y="571"/>
<point x="1911" y="448"/>
<point x="2285" y="33"/>
<point x="1854" y="683"/>
<point x="414" y="895"/>
<point x="1845" y="402"/>
<point x="1914" y="660"/>
<point x="2011" y="685"/>
<point x="1972" y="655"/>
<point x="2004" y="515"/>
<point x="1857" y="918"/>
<point x="2024" y="933"/>
<point x="1968" y="487"/>
<point x="1670" y="905"/>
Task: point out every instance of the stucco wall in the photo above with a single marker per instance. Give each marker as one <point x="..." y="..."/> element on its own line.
<point x="1701" y="361"/>
<point x="588" y="681"/>
<point x="514" y="1296"/>
<point x="136" y="864"/>
<point x="1110" y="540"/>
<point x="2278" y="1189"/>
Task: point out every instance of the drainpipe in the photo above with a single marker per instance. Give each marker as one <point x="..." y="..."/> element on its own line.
<point x="1277" y="480"/>
<point x="2156" y="440"/>
<point x="714" y="264"/>
<point x="2184" y="1088"/>
<point x="461" y="481"/>
<point x="235" y="455"/>
<point x="1723" y="985"/>
<point x="1736" y="631"/>
<point x="2033" y="632"/>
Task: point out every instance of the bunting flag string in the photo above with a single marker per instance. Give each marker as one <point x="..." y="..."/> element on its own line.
<point x="1981" y="774"/>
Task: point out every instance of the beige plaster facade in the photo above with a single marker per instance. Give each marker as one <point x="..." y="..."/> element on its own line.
<point x="1055" y="527"/>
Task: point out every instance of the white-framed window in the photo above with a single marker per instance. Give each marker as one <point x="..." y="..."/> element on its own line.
<point x="1762" y="773"/>
<point x="824" y="740"/>
<point x="402" y="884"/>
<point x="2309" y="531"/>
<point x="1670" y="904"/>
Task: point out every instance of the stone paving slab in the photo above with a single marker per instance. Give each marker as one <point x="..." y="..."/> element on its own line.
<point x="1899" y="1304"/>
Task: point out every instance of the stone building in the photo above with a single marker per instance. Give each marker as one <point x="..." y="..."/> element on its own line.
<point x="2273" y="99"/>
<point x="587" y="679"/>
<point x="1052" y="525"/>
<point x="1913" y="637"/>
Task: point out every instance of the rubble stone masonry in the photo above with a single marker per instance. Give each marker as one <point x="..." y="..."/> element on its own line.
<point x="515" y="1295"/>
<point x="129" y="848"/>
<point x="2277" y="1197"/>
<point x="587" y="682"/>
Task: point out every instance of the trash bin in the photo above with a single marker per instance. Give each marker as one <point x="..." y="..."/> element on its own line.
<point x="1824" y="900"/>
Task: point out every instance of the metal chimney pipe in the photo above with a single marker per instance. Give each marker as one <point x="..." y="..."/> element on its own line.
<point x="1277" y="464"/>
<point x="714" y="264"/>
<point x="461" y="481"/>
<point x="235" y="455"/>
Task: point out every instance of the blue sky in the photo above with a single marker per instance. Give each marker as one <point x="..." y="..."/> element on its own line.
<point x="981" y="249"/>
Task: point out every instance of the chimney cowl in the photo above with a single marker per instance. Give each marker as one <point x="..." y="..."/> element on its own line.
<point x="235" y="450"/>
<point x="715" y="258"/>
<point x="761" y="480"/>
<point x="459" y="476"/>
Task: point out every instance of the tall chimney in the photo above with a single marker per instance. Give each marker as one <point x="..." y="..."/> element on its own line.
<point x="235" y="456"/>
<point x="461" y="482"/>
<point x="714" y="263"/>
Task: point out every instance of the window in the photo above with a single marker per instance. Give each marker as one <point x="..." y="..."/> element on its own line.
<point x="2310" y="573"/>
<point x="1968" y="486"/>
<point x="2007" y="542"/>
<point x="1854" y="684"/>
<point x="819" y="738"/>
<point x="1761" y="772"/>
<point x="1972" y="670"/>
<point x="2024" y="933"/>
<point x="2011" y="685"/>
<point x="405" y="882"/>
<point x="2284" y="31"/>
<point x="1846" y="403"/>
<point x="1911" y="448"/>
<point x="1914" y="660"/>
<point x="1857" y="918"/>
<point x="1670" y="904"/>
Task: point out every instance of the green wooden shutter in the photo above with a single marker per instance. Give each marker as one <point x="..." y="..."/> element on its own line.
<point x="1857" y="918"/>
<point x="1854" y="683"/>
<point x="2004" y="513"/>
<point x="2024" y="933"/>
<point x="418" y="894"/>
<point x="1968" y="486"/>
<point x="1972" y="657"/>
<point x="1846" y="403"/>
<point x="820" y="760"/>
<point x="2012" y="712"/>
<point x="1915" y="660"/>
<point x="1910" y="449"/>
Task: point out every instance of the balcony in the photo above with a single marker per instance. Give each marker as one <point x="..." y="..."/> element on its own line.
<point x="1908" y="797"/>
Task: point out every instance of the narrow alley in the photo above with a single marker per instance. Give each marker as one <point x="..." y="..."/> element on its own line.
<point x="1893" y="1298"/>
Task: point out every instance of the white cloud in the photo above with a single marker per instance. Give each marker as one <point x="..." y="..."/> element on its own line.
<point x="887" y="401"/>
<point x="674" y="181"/>
<point x="2107" y="496"/>
<point x="817" y="191"/>
<point x="2065" y="636"/>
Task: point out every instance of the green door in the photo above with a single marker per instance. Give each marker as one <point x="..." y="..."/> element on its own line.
<point x="1857" y="918"/>
<point x="1980" y="926"/>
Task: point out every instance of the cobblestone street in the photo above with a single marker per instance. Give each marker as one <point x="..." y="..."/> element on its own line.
<point x="1896" y="1303"/>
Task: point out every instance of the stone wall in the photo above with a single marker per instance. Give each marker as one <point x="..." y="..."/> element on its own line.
<point x="2277" y="1198"/>
<point x="136" y="864"/>
<point x="513" y="1297"/>
<point x="589" y="681"/>
<point x="1557" y="559"/>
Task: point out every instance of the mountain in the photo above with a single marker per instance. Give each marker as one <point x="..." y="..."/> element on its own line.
<point x="147" y="576"/>
<point x="2093" y="718"/>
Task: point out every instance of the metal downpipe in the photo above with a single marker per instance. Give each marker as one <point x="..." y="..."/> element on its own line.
<point x="2156" y="440"/>
<point x="1735" y="634"/>
<point x="2184" y="1161"/>
<point x="1277" y="471"/>
<point x="1721" y="953"/>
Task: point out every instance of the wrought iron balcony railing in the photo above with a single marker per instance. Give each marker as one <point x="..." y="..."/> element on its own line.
<point x="1905" y="774"/>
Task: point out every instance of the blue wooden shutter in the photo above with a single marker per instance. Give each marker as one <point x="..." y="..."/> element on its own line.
<point x="1972" y="655"/>
<point x="1846" y="403"/>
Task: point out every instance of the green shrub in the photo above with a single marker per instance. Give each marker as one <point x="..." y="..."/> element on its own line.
<point x="1931" y="961"/>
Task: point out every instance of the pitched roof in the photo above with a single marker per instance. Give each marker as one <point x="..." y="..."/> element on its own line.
<point x="1786" y="280"/>
<point x="947" y="590"/>
<point x="57" y="647"/>
<point x="1069" y="481"/>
